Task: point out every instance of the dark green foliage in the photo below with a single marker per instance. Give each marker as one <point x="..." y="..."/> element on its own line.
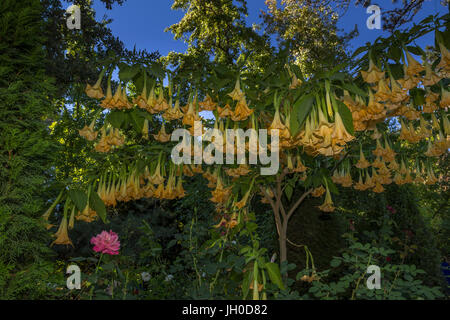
<point x="25" y="149"/>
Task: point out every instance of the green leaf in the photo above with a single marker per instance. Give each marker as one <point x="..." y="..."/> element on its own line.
<point x="301" y="108"/>
<point x="96" y="204"/>
<point x="332" y="186"/>
<point x="359" y="51"/>
<point x="274" y="274"/>
<point x="415" y="50"/>
<point x="335" y="263"/>
<point x="157" y="70"/>
<point x="294" y="124"/>
<point x="108" y="266"/>
<point x="288" y="191"/>
<point x="418" y="96"/>
<point x="248" y="278"/>
<point x="138" y="120"/>
<point x="116" y="118"/>
<point x="354" y="89"/>
<point x="126" y="72"/>
<point x="397" y="70"/>
<point x="79" y="198"/>
<point x="346" y="116"/>
<point x="395" y="53"/>
<point x="338" y="76"/>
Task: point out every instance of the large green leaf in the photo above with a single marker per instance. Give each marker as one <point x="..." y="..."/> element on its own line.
<point x="301" y="109"/>
<point x="354" y="89"/>
<point x="96" y="204"/>
<point x="274" y="274"/>
<point x="157" y="70"/>
<point x="346" y="116"/>
<point x="126" y="72"/>
<point x="332" y="186"/>
<point x="248" y="278"/>
<point x="418" y="96"/>
<point x="117" y="118"/>
<point x="79" y="198"/>
<point x="138" y="120"/>
<point x="397" y="70"/>
<point x="415" y="50"/>
<point x="395" y="53"/>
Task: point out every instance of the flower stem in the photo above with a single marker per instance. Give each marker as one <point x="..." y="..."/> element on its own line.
<point x="96" y="269"/>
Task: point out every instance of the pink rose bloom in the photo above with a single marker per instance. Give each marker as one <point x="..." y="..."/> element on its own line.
<point x="106" y="242"/>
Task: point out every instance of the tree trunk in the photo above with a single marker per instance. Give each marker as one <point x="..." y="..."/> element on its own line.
<point x="283" y="246"/>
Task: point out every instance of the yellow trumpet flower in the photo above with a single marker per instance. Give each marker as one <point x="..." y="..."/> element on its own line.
<point x="317" y="192"/>
<point x="362" y="162"/>
<point x="108" y="102"/>
<point x="374" y="74"/>
<point x="327" y="205"/>
<point x="430" y="78"/>
<point x="225" y="111"/>
<point x="340" y="134"/>
<point x="208" y="104"/>
<point x="414" y="67"/>
<point x="444" y="64"/>
<point x="162" y="136"/>
<point x="88" y="132"/>
<point x="62" y="235"/>
<point x="96" y="91"/>
<point x="445" y="98"/>
<point x="242" y="111"/>
<point x="157" y="178"/>
<point x="237" y="93"/>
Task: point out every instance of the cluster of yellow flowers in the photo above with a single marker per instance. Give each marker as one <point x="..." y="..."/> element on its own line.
<point x="391" y="96"/>
<point x="109" y="140"/>
<point x="382" y="173"/>
<point x="135" y="186"/>
<point x="118" y="101"/>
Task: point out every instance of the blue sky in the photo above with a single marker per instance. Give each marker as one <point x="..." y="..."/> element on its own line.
<point x="142" y="22"/>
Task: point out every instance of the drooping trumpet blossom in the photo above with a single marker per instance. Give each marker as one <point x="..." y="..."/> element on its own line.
<point x="108" y="102"/>
<point x="62" y="235"/>
<point x="242" y="111"/>
<point x="141" y="100"/>
<point x="220" y="194"/>
<point x="162" y="136"/>
<point x="237" y="94"/>
<point x="208" y="104"/>
<point x="161" y="103"/>
<point x="362" y="162"/>
<point x="96" y="91"/>
<point x="414" y="67"/>
<point x="327" y="205"/>
<point x="88" y="132"/>
<point x="225" y="111"/>
<point x="317" y="192"/>
<point x="431" y="77"/>
<point x="445" y="98"/>
<point x="374" y="74"/>
<point x="444" y="64"/>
